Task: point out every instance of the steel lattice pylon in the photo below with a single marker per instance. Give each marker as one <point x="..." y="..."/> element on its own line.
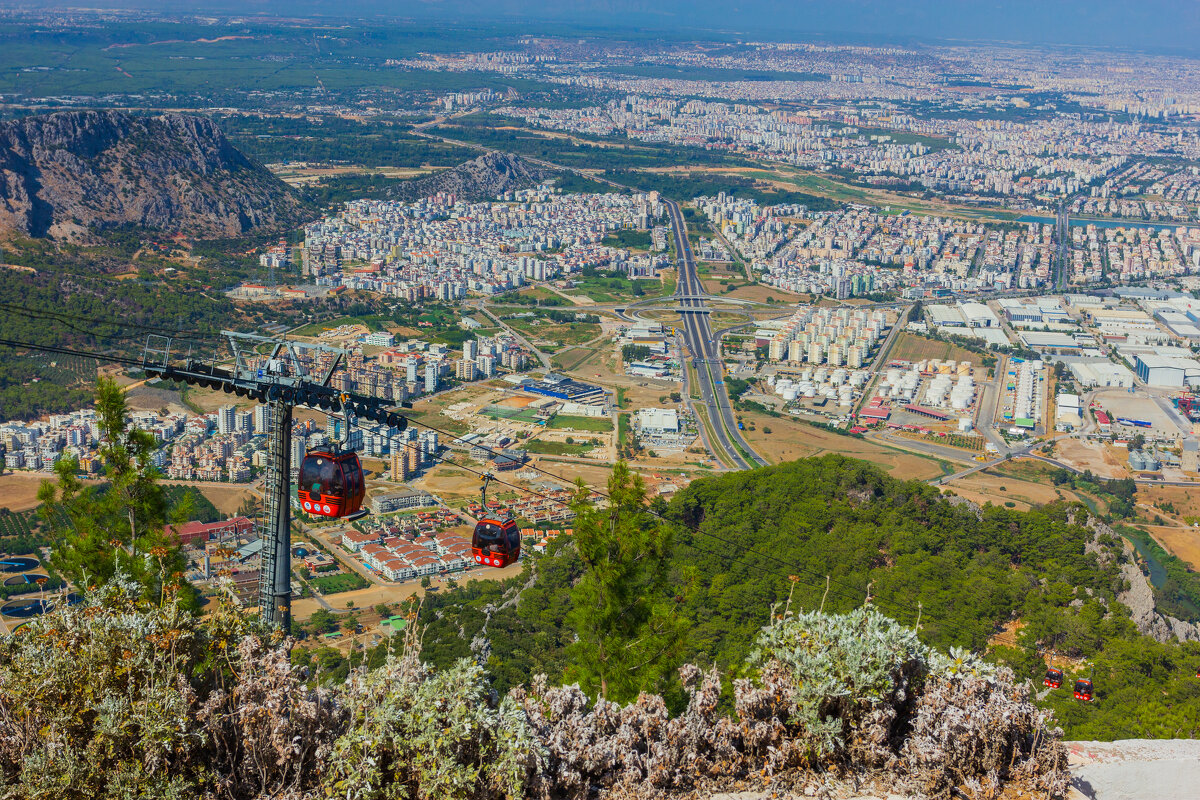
<point x="282" y="378"/>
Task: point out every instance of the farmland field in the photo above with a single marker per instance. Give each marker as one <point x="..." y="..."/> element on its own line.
<point x="18" y="523"/>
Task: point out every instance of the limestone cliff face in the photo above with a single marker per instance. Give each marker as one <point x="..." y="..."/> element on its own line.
<point x="176" y="173"/>
<point x="1139" y="597"/>
<point x="479" y="179"/>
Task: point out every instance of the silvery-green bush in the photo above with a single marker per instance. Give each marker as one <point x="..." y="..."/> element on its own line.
<point x="122" y="698"/>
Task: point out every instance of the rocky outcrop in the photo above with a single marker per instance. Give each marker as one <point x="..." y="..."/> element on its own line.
<point x="70" y="171"/>
<point x="479" y="179"/>
<point x="1139" y="597"/>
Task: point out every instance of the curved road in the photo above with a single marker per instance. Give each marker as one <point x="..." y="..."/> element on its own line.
<point x="706" y="356"/>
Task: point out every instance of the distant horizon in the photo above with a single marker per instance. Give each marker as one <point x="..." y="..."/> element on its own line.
<point x="1152" y="26"/>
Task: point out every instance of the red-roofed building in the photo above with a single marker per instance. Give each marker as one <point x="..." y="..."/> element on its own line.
<point x="190" y="533"/>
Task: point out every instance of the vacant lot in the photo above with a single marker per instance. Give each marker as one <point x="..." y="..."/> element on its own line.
<point x="548" y="336"/>
<point x="757" y="292"/>
<point x="985" y="487"/>
<point x="571" y="358"/>
<point x="1182" y="501"/>
<point x="18" y="490"/>
<point x="911" y="347"/>
<point x="227" y="498"/>
<point x="788" y="440"/>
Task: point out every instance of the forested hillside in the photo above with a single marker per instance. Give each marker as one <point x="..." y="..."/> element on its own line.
<point x="742" y="542"/>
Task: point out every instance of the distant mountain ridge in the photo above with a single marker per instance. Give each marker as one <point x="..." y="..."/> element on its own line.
<point x="491" y="174"/>
<point x="65" y="172"/>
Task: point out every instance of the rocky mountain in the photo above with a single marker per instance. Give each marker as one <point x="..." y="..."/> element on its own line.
<point x="66" y="172"/>
<point x="481" y="178"/>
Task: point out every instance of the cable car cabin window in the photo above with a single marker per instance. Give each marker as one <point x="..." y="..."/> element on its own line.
<point x="490" y="536"/>
<point x="321" y="475"/>
<point x="354" y="481"/>
<point x="514" y="539"/>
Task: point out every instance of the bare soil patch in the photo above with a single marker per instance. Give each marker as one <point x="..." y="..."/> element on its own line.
<point x="19" y="490"/>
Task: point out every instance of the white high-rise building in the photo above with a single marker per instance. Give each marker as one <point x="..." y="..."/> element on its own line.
<point x="470" y="349"/>
<point x="262" y="419"/>
<point x="226" y="420"/>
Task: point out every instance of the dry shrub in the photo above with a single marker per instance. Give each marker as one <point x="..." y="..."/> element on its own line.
<point x="849" y="695"/>
<point x="118" y="698"/>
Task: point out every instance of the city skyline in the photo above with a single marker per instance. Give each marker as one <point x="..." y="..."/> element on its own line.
<point x="1153" y="26"/>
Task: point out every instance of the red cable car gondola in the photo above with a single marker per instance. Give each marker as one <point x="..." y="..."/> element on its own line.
<point x="1053" y="679"/>
<point x="1083" y="690"/>
<point x="496" y="541"/>
<point x="331" y="483"/>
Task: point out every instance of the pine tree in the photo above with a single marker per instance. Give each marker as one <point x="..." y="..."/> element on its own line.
<point x="118" y="525"/>
<point x="628" y="633"/>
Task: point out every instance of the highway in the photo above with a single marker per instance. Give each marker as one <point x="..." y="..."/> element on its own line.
<point x="706" y="353"/>
<point x="1062" y="258"/>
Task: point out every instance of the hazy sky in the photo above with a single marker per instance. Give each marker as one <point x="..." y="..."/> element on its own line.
<point x="1149" y="24"/>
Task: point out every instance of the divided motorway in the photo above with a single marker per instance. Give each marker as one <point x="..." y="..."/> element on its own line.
<point x="706" y="354"/>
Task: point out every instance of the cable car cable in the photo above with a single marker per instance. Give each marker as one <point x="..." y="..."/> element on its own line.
<point x="67" y="319"/>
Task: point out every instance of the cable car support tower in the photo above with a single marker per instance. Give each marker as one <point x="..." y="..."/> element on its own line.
<point x="280" y="374"/>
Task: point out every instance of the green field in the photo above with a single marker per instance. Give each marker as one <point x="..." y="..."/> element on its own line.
<point x="590" y="424"/>
<point x="842" y="192"/>
<point x="629" y="238"/>
<point x="333" y="584"/>
<point x="557" y="448"/>
<point x="579" y="152"/>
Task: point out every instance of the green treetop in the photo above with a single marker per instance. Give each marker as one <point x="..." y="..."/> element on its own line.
<point x="626" y="628"/>
<point x="118" y="525"/>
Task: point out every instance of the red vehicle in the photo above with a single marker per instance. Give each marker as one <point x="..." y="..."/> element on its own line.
<point x="1083" y="690"/>
<point x="496" y="542"/>
<point x="331" y="484"/>
<point x="1053" y="679"/>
